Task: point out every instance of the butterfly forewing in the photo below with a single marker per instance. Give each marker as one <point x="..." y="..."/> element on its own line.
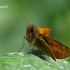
<point x="60" y="51"/>
<point x="45" y="47"/>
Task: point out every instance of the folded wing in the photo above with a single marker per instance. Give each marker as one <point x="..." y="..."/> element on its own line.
<point x="60" y="51"/>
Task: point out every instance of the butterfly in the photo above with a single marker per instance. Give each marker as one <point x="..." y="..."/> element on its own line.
<point x="40" y="38"/>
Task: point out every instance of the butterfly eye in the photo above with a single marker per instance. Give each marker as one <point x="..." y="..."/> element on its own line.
<point x="32" y="29"/>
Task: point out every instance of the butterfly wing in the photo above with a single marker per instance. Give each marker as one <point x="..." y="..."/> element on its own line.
<point x="60" y="51"/>
<point x="45" y="31"/>
<point x="45" y="47"/>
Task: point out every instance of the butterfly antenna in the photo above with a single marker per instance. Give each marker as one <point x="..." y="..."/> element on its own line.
<point x="25" y="16"/>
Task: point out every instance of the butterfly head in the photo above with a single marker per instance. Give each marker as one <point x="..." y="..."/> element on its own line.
<point x="32" y="32"/>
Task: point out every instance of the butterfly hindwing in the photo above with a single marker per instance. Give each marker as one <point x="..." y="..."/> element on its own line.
<point x="45" y="31"/>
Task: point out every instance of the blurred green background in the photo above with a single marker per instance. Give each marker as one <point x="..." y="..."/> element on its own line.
<point x="54" y="14"/>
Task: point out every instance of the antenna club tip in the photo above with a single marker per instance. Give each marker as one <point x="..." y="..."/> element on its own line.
<point x="24" y="15"/>
<point x="22" y="12"/>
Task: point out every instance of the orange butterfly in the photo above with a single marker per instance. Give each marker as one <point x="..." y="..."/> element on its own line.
<point x="39" y="37"/>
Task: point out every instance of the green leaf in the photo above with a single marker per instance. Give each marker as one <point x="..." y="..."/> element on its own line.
<point x="21" y="61"/>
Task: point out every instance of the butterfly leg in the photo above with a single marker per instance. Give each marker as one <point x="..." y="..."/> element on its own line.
<point x="23" y="42"/>
<point x="33" y="49"/>
<point x="29" y="47"/>
<point x="39" y="52"/>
